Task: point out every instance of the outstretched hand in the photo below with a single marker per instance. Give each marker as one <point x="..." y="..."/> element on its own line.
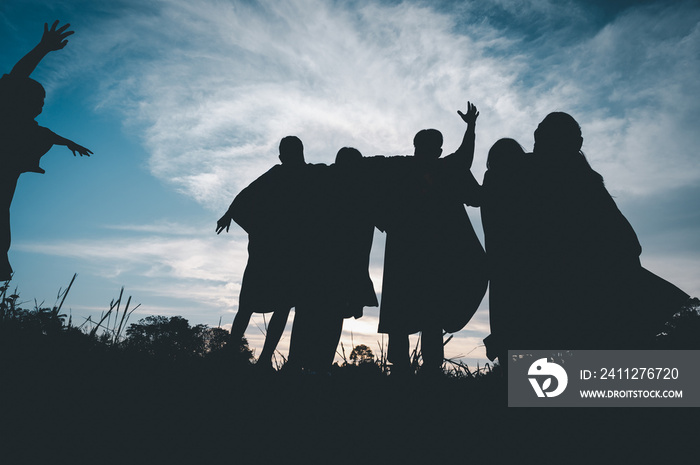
<point x="223" y="223"/>
<point x="54" y="39"/>
<point x="470" y="116"/>
<point x="75" y="148"/>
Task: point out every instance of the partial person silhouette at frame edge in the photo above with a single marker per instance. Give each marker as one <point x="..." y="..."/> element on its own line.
<point x="583" y="286"/>
<point x="274" y="211"/>
<point x="434" y="265"/>
<point x="23" y="141"/>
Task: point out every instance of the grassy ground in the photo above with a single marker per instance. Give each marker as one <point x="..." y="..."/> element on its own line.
<point x="117" y="411"/>
<point x="69" y="396"/>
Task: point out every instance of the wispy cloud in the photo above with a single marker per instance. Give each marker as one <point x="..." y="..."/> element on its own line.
<point x="214" y="86"/>
<point x="163" y="227"/>
<point x="214" y="106"/>
<point x="172" y="260"/>
<point x="206" y="271"/>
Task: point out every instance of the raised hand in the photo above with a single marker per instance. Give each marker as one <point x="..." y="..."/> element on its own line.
<point x="470" y="116"/>
<point x="54" y="39"/>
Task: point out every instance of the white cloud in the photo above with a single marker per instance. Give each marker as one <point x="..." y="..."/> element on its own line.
<point x="214" y="106"/>
<point x="207" y="271"/>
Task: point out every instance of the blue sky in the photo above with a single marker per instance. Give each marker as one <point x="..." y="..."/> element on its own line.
<point x="183" y="103"/>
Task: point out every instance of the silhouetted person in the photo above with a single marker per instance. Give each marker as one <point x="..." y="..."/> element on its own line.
<point x="587" y="288"/>
<point x="274" y="211"/>
<point x="504" y="218"/>
<point x="434" y="265"/>
<point x="23" y="141"/>
<point x="353" y="236"/>
<point x="336" y="283"/>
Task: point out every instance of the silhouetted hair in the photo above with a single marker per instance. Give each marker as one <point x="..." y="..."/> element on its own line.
<point x="20" y="95"/>
<point x="291" y="150"/>
<point x="560" y="135"/>
<point x="428" y="142"/>
<point x="504" y="154"/>
<point x="347" y="155"/>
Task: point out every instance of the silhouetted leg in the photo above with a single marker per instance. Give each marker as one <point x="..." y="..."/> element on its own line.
<point x="240" y="324"/>
<point x="330" y="339"/>
<point x="299" y="345"/>
<point x="432" y="349"/>
<point x="503" y="362"/>
<point x="315" y="335"/>
<point x="5" y="268"/>
<point x="7" y="192"/>
<point x="398" y="352"/>
<point x="274" y="333"/>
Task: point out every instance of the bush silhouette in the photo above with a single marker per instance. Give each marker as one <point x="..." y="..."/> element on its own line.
<point x="361" y="354"/>
<point x="683" y="330"/>
<point x="173" y="338"/>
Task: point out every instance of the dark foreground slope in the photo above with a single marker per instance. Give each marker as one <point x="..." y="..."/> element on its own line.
<point x="117" y="411"/>
<point x="67" y="397"/>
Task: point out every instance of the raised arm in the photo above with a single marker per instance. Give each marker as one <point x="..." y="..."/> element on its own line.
<point x="468" y="189"/>
<point x="466" y="149"/>
<point x="52" y="40"/>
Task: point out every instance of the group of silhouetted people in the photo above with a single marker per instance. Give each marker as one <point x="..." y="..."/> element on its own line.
<point x="310" y="230"/>
<point x="561" y="260"/>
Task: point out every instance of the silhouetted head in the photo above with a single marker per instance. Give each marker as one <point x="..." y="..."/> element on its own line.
<point x="22" y="98"/>
<point x="558" y="133"/>
<point x="504" y="154"/>
<point x="291" y="150"/>
<point x="347" y="156"/>
<point x="559" y="136"/>
<point x="428" y="144"/>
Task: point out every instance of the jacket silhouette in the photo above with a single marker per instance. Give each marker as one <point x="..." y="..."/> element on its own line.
<point x="581" y="283"/>
<point x="434" y="265"/>
<point x="280" y="212"/>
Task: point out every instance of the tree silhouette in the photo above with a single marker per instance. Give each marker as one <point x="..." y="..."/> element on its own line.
<point x="682" y="331"/>
<point x="174" y="338"/>
<point x="41" y="333"/>
<point x="215" y="339"/>
<point x="361" y="354"/>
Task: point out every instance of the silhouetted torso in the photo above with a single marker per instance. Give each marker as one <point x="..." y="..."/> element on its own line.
<point x="504" y="215"/>
<point x="347" y="242"/>
<point x="22" y="144"/>
<point x="434" y="263"/>
<point x="584" y="256"/>
<point x="276" y="210"/>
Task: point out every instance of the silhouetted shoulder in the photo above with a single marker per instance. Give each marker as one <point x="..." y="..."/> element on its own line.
<point x="7" y="84"/>
<point x="23" y="145"/>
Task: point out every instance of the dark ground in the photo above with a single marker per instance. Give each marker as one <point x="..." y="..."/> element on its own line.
<point x="59" y="410"/>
